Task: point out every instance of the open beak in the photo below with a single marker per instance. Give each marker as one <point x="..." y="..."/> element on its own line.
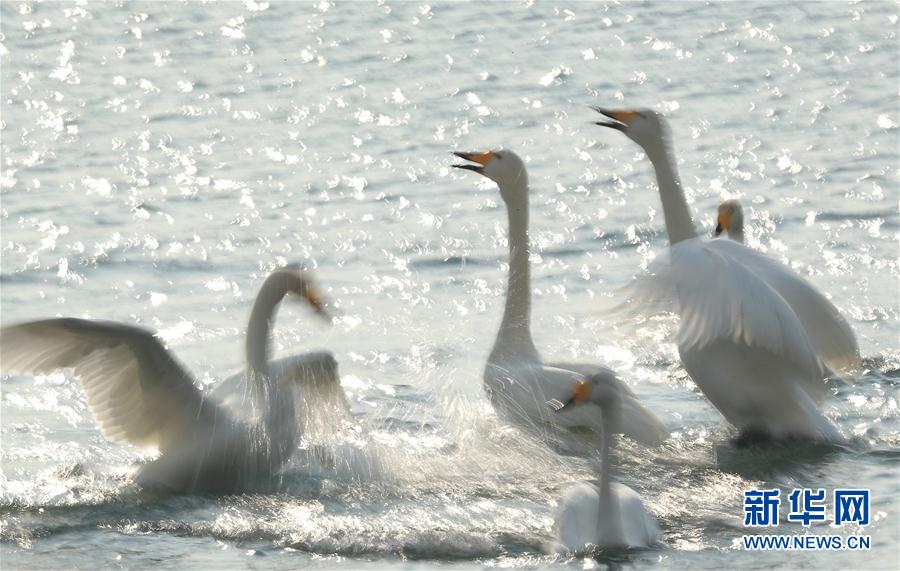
<point x="559" y="406"/>
<point x="481" y="158"/>
<point x="618" y="120"/>
<point x="580" y="394"/>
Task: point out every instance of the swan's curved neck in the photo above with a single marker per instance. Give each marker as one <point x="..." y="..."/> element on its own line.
<point x="675" y="207"/>
<point x="259" y="329"/>
<point x="277" y="434"/>
<point x="514" y="337"/>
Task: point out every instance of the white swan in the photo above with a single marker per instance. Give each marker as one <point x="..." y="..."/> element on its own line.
<point x="609" y="514"/>
<point x="744" y="316"/>
<point x="516" y="380"/>
<point x="140" y="394"/>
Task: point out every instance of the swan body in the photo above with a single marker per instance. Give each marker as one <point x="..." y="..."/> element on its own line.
<point x="746" y="329"/>
<point x="140" y="394"/>
<point x="516" y="380"/>
<point x="606" y="514"/>
<point x="585" y="517"/>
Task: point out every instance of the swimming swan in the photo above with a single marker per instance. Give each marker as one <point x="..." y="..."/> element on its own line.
<point x="516" y="380"/>
<point x="609" y="514"/>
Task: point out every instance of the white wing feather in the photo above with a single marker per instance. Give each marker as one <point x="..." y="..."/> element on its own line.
<point x="830" y="334"/>
<point x="521" y="393"/>
<point x="637" y="421"/>
<point x="322" y="406"/>
<point x="718" y="297"/>
<point x="137" y="392"/>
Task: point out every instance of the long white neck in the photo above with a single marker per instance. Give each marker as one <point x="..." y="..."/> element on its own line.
<point x="262" y="316"/>
<point x="611" y="531"/>
<point x="514" y="337"/>
<point x="675" y="207"/>
<point x="276" y="402"/>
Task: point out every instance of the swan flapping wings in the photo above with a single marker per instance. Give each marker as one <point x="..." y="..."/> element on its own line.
<point x="139" y="394"/>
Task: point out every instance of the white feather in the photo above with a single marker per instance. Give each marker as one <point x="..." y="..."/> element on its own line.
<point x="756" y="389"/>
<point x="583" y="520"/>
<point x="136" y="390"/>
<point x="831" y="336"/>
<point x="718" y="297"/>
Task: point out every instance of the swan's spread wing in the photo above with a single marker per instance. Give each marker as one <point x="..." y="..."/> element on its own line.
<point x="828" y="331"/>
<point x="718" y="297"/>
<point x="637" y="421"/>
<point x="313" y="377"/>
<point x="137" y="392"/>
<point x="521" y="392"/>
<point x="323" y="406"/>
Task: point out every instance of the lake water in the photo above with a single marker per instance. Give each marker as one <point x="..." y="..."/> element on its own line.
<point x="159" y="158"/>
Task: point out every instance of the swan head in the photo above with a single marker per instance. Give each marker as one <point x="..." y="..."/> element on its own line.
<point x="300" y="283"/>
<point x="645" y="127"/>
<point x="589" y="390"/>
<point x="504" y="167"/>
<point x="730" y="220"/>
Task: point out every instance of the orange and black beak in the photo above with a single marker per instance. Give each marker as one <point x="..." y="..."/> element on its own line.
<point x="580" y="395"/>
<point x="723" y="222"/>
<point x="618" y="120"/>
<point x="481" y="158"/>
<point x="317" y="301"/>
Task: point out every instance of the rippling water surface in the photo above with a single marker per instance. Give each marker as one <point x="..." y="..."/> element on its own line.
<point x="159" y="158"/>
